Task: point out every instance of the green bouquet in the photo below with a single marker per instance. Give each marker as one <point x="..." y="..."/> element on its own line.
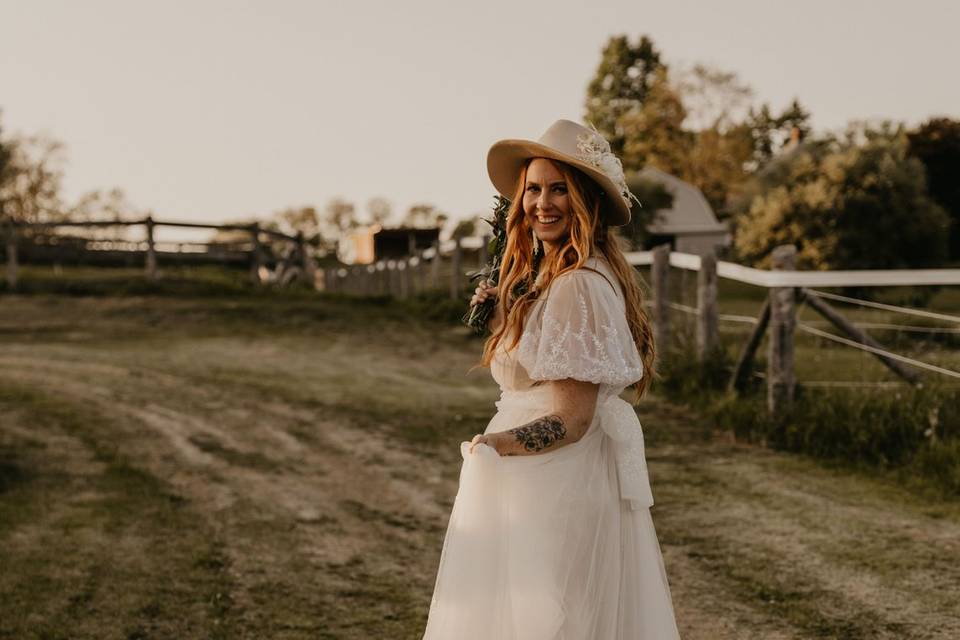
<point x="479" y="315"/>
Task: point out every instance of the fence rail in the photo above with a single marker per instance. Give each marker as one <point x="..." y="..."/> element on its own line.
<point x="787" y="289"/>
<point x="298" y="265"/>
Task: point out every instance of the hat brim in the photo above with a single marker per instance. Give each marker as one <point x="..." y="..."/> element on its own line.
<point x="506" y="159"/>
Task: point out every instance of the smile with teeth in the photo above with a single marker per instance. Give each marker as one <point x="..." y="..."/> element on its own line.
<point x="547" y="219"/>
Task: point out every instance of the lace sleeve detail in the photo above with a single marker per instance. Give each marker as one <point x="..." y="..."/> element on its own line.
<point x="579" y="330"/>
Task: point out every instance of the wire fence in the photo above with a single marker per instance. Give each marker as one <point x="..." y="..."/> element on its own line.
<point x="907" y="344"/>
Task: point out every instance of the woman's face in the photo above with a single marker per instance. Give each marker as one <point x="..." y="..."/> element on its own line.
<point x="546" y="203"/>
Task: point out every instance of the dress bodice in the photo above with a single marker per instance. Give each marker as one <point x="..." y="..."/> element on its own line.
<point x="578" y="329"/>
<point x="506" y="367"/>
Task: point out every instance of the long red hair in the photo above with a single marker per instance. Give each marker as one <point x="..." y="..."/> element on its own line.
<point x="588" y="236"/>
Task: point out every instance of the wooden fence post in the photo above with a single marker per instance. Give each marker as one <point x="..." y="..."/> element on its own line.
<point x="256" y="259"/>
<point x="359" y="279"/>
<point x="360" y="275"/>
<point x="403" y="267"/>
<point x="435" y="266"/>
<point x="393" y="285"/>
<point x="707" y="316"/>
<point x="781" y="379"/>
<point x="383" y="279"/>
<point x="745" y="362"/>
<point x="151" y="265"/>
<point x="414" y="263"/>
<point x="424" y="273"/>
<point x="659" y="274"/>
<point x="373" y="279"/>
<point x="455" y="275"/>
<point x="308" y="265"/>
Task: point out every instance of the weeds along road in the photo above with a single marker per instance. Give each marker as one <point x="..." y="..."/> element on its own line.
<point x="284" y="468"/>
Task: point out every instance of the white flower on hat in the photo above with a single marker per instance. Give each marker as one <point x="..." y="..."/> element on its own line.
<point x="595" y="150"/>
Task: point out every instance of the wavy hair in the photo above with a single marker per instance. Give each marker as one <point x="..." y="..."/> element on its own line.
<point x="588" y="236"/>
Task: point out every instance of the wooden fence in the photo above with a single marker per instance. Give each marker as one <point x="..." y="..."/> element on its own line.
<point x="441" y="267"/>
<point x="787" y="288"/>
<point x="298" y="264"/>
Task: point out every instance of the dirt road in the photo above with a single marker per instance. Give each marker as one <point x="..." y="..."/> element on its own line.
<point x="192" y="469"/>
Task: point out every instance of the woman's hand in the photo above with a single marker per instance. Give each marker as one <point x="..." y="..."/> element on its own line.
<point x="483" y="291"/>
<point x="482" y="438"/>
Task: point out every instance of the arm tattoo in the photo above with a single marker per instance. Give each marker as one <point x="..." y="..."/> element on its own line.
<point x="541" y="433"/>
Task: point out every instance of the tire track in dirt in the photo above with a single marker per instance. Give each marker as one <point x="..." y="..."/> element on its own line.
<point x="330" y="504"/>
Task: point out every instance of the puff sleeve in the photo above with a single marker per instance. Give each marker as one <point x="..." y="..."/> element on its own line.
<point x="578" y="329"/>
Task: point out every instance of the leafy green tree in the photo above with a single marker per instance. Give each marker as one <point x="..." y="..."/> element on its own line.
<point x="112" y="204"/>
<point x="620" y="85"/>
<point x="858" y="201"/>
<point x="712" y="158"/>
<point x="770" y="133"/>
<point x="714" y="98"/>
<point x="424" y="215"/>
<point x="378" y="211"/>
<point x="936" y="143"/>
<point x="6" y="155"/>
<point x="654" y="134"/>
<point x="469" y="227"/>
<point x="294" y="220"/>
<point x="339" y="217"/>
<point x="33" y="175"/>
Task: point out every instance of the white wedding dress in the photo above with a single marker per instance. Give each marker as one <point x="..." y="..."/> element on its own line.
<point x="558" y="545"/>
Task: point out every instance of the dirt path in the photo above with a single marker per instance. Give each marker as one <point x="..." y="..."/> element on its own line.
<point x="244" y="481"/>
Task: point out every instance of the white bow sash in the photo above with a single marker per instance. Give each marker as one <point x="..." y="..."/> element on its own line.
<point x="619" y="421"/>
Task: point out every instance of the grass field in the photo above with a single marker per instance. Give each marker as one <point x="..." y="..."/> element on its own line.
<point x="283" y="465"/>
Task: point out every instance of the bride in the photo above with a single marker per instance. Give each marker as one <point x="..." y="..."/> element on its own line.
<point x="550" y="536"/>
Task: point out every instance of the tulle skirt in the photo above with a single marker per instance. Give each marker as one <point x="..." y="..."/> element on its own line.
<point x="543" y="548"/>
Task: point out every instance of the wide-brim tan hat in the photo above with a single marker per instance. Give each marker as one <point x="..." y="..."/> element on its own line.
<point x="575" y="145"/>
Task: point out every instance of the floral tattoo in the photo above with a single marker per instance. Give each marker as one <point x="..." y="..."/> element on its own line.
<point x="541" y="433"/>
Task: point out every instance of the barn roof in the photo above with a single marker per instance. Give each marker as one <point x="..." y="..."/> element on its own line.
<point x="690" y="213"/>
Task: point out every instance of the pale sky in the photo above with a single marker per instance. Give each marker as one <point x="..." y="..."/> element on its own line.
<point x="211" y="111"/>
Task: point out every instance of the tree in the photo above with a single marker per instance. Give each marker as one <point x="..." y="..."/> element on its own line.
<point x="620" y="85"/>
<point x="104" y="205"/>
<point x="469" y="227"/>
<point x="424" y="215"/>
<point x="713" y="98"/>
<point x="339" y="217"/>
<point x="712" y="158"/>
<point x="33" y="175"/>
<point x="936" y="143"/>
<point x="654" y="134"/>
<point x="770" y="134"/>
<point x="378" y="211"/>
<point x="717" y="164"/>
<point x="6" y="155"/>
<point x="858" y="201"/>
<point x="294" y="220"/>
